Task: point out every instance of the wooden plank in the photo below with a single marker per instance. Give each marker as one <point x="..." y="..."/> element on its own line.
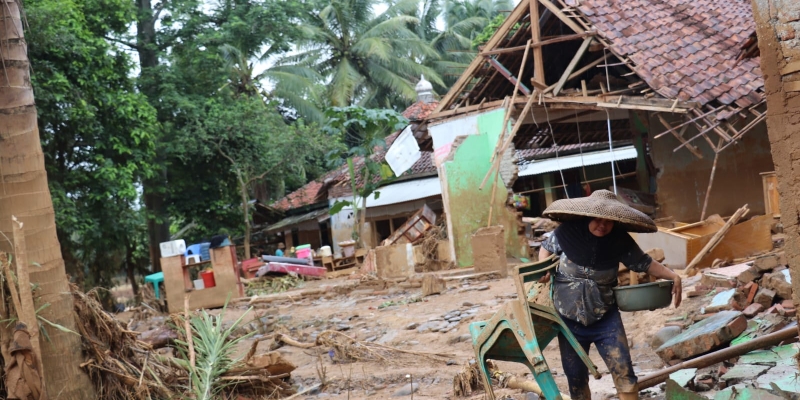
<point x="447" y="113"/>
<point x="679" y="136"/>
<point x="536" y="32"/>
<point x="507" y="74"/>
<point x="27" y="314"/>
<point x="643" y="108"/>
<point x="518" y="12"/>
<point x="563" y="17"/>
<point x="694" y="265"/>
<point x="572" y="64"/>
<point x="535" y="43"/>
<point x="792" y="86"/>
<point x="790" y="68"/>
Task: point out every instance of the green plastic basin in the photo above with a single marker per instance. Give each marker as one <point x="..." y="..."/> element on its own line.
<point x="647" y="296"/>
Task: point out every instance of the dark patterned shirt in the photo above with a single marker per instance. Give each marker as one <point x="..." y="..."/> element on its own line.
<point x="584" y="294"/>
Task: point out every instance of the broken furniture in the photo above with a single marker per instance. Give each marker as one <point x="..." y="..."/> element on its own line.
<point x="521" y="330"/>
<point x="250" y="267"/>
<point x="683" y="242"/>
<point x="155" y="279"/>
<point x="413" y="229"/>
<point x="335" y="262"/>
<point x="284" y="268"/>
<point x="177" y="280"/>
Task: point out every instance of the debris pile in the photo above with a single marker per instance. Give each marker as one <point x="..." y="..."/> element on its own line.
<point x="740" y="303"/>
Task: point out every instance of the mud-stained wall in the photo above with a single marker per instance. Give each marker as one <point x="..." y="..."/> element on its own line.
<point x="682" y="178"/>
<point x="466" y="206"/>
<point x="776" y="25"/>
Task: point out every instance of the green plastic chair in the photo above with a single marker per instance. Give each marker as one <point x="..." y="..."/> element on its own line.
<point x="520" y="330"/>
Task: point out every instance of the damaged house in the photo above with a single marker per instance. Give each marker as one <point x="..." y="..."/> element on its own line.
<point x="670" y="88"/>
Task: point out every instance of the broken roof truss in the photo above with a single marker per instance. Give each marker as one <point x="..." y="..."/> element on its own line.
<point x="597" y="60"/>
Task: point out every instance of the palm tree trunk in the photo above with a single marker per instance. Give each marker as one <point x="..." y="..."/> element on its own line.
<point x="776" y="32"/>
<point x="25" y="194"/>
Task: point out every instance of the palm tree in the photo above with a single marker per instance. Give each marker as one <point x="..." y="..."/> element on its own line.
<point x="364" y="58"/>
<point x="463" y="20"/>
<point x="26" y="195"/>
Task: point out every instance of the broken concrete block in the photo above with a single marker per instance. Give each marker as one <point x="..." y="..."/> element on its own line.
<point x="432" y="284"/>
<point x="722" y="301"/>
<point x="749" y="275"/>
<point x="683" y="377"/>
<point x="489" y="250"/>
<point x="704" y="336"/>
<point x="712" y="279"/>
<point x="765" y="297"/>
<point x="675" y="391"/>
<point x="780" y="282"/>
<point x="767" y="263"/>
<point x="752" y="310"/>
<point x="743" y="371"/>
<point x="663" y="335"/>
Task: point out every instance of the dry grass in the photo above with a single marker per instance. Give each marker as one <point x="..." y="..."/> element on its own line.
<point x="121" y="366"/>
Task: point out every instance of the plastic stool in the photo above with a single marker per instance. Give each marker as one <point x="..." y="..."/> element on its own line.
<point x="192" y="258"/>
<point x="155" y="279"/>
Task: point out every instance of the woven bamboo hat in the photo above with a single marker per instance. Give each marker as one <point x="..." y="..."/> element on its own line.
<point x="601" y="204"/>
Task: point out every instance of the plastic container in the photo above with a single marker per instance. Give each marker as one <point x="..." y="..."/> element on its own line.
<point x="198" y="284"/>
<point x="208" y="279"/>
<point x="303" y="253"/>
<point x="647" y="296"/>
<point x="348" y="248"/>
<point x="173" y="248"/>
<point x="303" y="246"/>
<point x="325" y="251"/>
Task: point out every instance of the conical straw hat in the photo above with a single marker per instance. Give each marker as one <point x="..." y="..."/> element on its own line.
<point x="601" y="204"/>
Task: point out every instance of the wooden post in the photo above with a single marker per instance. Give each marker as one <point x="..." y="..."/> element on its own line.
<point x="538" y="62"/>
<point x="27" y="313"/>
<point x="572" y="64"/>
<point x="710" y="183"/>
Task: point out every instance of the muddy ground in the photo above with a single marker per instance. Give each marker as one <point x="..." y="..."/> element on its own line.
<point x="394" y="317"/>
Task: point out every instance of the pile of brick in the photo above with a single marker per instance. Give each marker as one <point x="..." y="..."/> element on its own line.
<point x="741" y="302"/>
<point x="760" y="286"/>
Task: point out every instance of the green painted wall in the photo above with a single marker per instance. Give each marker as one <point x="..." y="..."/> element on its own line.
<point x="468" y="207"/>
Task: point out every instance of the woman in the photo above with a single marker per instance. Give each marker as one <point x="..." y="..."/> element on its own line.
<point x="591" y="242"/>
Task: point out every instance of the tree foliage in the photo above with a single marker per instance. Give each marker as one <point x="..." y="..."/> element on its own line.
<point x="96" y="130"/>
<point x="365" y="130"/>
<point x="207" y="95"/>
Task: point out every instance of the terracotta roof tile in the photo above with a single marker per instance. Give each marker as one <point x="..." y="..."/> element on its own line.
<point x="311" y="193"/>
<point x="678" y="46"/>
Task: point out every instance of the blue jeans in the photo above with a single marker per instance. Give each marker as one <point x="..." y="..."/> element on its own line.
<point x="608" y="335"/>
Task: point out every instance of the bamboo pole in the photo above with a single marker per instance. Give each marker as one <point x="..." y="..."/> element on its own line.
<point x="719" y="356"/>
<point x="710" y="182"/>
<point x="691" y="269"/>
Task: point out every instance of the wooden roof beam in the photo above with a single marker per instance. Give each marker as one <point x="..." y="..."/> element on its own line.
<point x="536" y="43"/>
<point x="572" y="64"/>
<point x="563" y="17"/>
<point x="507" y="74"/>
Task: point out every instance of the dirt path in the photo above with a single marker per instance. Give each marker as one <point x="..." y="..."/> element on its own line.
<point x="386" y="319"/>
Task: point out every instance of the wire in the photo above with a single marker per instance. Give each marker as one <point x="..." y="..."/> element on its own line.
<point x="580" y="145"/>
<point x="555" y="146"/>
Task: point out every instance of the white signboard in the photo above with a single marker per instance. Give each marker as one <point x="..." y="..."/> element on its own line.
<point x="403" y="153"/>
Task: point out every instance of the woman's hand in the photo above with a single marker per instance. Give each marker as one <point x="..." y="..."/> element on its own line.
<point x="677" y="290"/>
<point x="659" y="271"/>
<point x="545" y="278"/>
